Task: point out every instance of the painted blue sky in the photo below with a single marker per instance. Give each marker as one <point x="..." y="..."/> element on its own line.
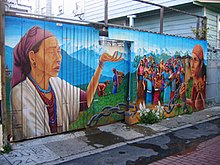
<point x="152" y="42"/>
<point x="81" y="42"/>
<point x="71" y="38"/>
<point x="74" y="38"/>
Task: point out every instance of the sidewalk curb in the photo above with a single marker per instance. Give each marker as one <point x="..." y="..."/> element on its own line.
<point x="95" y="151"/>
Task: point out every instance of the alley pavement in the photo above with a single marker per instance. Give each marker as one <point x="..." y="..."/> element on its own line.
<point x="206" y="153"/>
<point x="119" y="143"/>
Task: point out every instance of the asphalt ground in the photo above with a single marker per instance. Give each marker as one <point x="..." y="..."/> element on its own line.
<point x="159" y="147"/>
<point x="118" y="143"/>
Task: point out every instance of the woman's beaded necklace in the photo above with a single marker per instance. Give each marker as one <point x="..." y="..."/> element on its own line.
<point x="51" y="105"/>
<point x="38" y="87"/>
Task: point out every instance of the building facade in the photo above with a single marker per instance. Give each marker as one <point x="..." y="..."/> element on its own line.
<point x="147" y="17"/>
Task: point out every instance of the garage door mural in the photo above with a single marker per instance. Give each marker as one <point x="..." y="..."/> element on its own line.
<point x="54" y="72"/>
<point x="169" y="71"/>
<point x="60" y="78"/>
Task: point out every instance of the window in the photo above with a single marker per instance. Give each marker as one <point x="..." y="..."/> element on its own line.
<point x="60" y="4"/>
<point x="60" y="9"/>
<point x="78" y="7"/>
<point x="78" y="10"/>
<point x="43" y="10"/>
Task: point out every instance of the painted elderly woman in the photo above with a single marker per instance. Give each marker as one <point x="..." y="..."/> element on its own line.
<point x="43" y="103"/>
<point x="198" y="71"/>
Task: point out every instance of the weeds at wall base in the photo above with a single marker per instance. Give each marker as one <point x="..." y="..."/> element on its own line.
<point x="6" y="149"/>
<point x="149" y="118"/>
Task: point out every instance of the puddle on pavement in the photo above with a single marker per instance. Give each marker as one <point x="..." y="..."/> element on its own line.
<point x="154" y="147"/>
<point x="121" y="152"/>
<point x="194" y="127"/>
<point x="176" y="146"/>
<point x="216" y="121"/>
<point x="94" y="136"/>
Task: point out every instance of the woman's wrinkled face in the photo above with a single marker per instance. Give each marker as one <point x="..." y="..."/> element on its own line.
<point x="196" y="67"/>
<point x="48" y="58"/>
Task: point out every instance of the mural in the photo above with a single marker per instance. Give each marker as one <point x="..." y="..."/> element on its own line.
<point x="168" y="71"/>
<point x="47" y="95"/>
<point x="60" y="78"/>
<point x="167" y="82"/>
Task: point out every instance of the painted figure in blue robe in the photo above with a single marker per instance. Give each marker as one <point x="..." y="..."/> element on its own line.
<point x="148" y="88"/>
<point x="115" y="81"/>
<point x="172" y="82"/>
<point x="167" y="88"/>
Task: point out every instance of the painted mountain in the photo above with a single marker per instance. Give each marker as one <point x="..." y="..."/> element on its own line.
<point x="90" y="58"/>
<point x="75" y="72"/>
<point x="86" y="56"/>
<point x="72" y="70"/>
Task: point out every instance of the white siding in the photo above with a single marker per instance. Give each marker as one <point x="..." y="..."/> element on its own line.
<point x="212" y="25"/>
<point x="174" y="23"/>
<point x="94" y="10"/>
<point x="148" y="18"/>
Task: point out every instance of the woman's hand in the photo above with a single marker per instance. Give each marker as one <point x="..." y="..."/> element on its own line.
<point x="106" y="57"/>
<point x="95" y="79"/>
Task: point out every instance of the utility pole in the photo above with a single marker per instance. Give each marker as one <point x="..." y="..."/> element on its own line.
<point x="104" y="32"/>
<point x="2" y="54"/>
<point x="106" y="14"/>
<point x="161" y="19"/>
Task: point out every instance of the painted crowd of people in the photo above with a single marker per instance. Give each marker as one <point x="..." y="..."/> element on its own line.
<point x="158" y="81"/>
